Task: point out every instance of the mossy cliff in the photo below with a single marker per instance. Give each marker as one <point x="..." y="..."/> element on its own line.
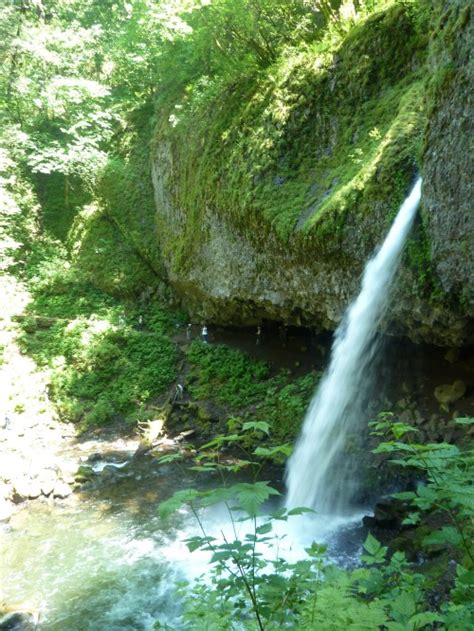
<point x="273" y="190"/>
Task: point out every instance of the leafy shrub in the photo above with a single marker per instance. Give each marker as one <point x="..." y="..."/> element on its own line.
<point x="249" y="389"/>
<point x="226" y="375"/>
<point x="102" y="366"/>
<point x="249" y="588"/>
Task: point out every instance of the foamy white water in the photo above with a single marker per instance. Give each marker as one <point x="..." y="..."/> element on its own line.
<point x="319" y="475"/>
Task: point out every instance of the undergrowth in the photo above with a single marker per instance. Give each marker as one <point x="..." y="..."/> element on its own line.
<point x="107" y="359"/>
<point x="248" y="586"/>
<point x="249" y="389"/>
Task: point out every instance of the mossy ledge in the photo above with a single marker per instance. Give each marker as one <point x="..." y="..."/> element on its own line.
<point x="273" y="190"/>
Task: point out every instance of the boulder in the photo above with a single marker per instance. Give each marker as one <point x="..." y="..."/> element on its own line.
<point x="24" y="489"/>
<point x="446" y="394"/>
<point x="84" y="474"/>
<point x="389" y="513"/>
<point x="18" y="621"/>
<point x="61" y="490"/>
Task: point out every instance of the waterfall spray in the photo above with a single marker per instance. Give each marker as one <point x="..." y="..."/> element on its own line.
<point x="320" y="475"/>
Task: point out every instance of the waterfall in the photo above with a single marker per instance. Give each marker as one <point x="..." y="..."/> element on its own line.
<point x="320" y="473"/>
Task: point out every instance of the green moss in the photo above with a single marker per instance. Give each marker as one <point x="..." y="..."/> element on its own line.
<point x="125" y="191"/>
<point x="105" y="258"/>
<point x="331" y="129"/>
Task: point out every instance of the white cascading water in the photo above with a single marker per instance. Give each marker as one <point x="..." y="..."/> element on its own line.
<point x="320" y="474"/>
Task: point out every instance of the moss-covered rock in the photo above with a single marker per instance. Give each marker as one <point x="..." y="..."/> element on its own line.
<point x="125" y="193"/>
<point x="107" y="260"/>
<point x="272" y="191"/>
<point x="448" y="161"/>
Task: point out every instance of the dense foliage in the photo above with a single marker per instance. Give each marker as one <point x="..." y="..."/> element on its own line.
<point x="251" y="588"/>
<point x="83" y="83"/>
<point x="249" y="389"/>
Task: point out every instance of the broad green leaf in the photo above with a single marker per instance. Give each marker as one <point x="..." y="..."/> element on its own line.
<point x="372" y="545"/>
<point x="300" y="510"/>
<point x="264" y="528"/>
<point x="404" y="495"/>
<point x="273" y="451"/>
<point x="403" y="607"/>
<point x="400" y="429"/>
<point x="465" y="420"/>
<point x="258" y="426"/>
<point x="252" y="496"/>
<point x="445" y="535"/>
<point x="185" y="496"/>
<point x="420" y="620"/>
<point x="279" y="514"/>
<point x="194" y="543"/>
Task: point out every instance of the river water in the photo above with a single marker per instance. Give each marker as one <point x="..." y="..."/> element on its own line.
<point x="104" y="560"/>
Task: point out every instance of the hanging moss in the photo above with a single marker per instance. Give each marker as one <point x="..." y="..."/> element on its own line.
<point x="326" y="131"/>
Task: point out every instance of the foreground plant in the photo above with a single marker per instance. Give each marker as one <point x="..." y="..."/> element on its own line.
<point x="251" y="587"/>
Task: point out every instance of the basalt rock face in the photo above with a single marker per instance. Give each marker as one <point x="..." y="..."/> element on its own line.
<point x="448" y="162"/>
<point x="231" y="280"/>
<point x="231" y="261"/>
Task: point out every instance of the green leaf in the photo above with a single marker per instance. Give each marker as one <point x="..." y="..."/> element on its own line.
<point x="214" y="496"/>
<point x="400" y="429"/>
<point x="372" y="545"/>
<point x="221" y="556"/>
<point x="465" y="576"/>
<point x="384" y="448"/>
<point x="403" y="607"/>
<point x="169" y="458"/>
<point x="194" y="543"/>
<point x="185" y="496"/>
<point x="300" y="510"/>
<point x="264" y="528"/>
<point x="412" y="519"/>
<point x="464" y="420"/>
<point x="280" y="514"/>
<point x="420" y="620"/>
<point x="258" y="426"/>
<point x="221" y="440"/>
<point x="252" y="496"/>
<point x="447" y="534"/>
<point x="316" y="550"/>
<point x="273" y="451"/>
<point x="404" y="495"/>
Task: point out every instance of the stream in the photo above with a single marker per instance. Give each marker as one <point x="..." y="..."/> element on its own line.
<point x="103" y="559"/>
